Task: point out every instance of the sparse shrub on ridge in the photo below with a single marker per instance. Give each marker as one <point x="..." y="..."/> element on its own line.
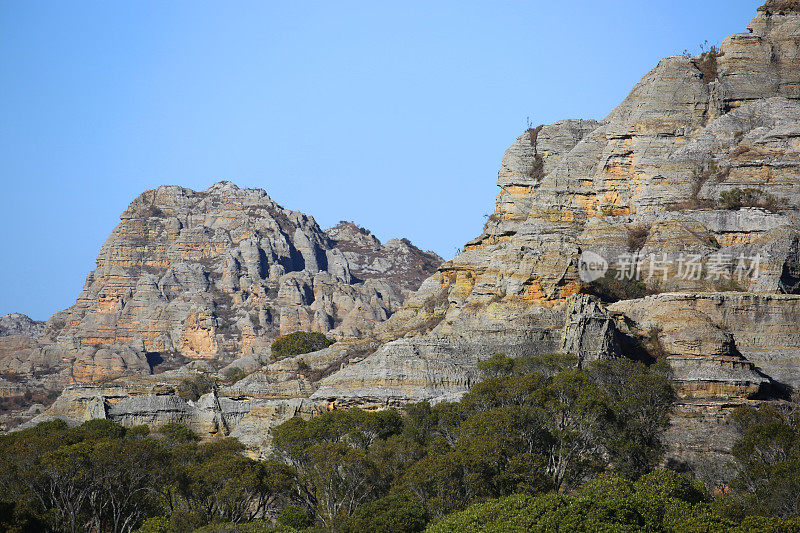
<point x="736" y="198"/>
<point x="609" y="289"/>
<point x="232" y="375"/>
<point x="637" y="236"/>
<point x="194" y="387"/>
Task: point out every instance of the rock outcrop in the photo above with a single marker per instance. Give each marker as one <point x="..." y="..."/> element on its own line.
<point x="213" y="277"/>
<point x="17" y="324"/>
<point x="637" y="192"/>
<point x="641" y="190"/>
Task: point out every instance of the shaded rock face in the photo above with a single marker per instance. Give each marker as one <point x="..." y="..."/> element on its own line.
<point x="211" y="276"/>
<point x="646" y="181"/>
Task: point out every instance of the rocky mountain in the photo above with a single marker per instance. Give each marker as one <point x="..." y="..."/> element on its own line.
<point x="687" y="193"/>
<point x="211" y="277"/>
<point x="17" y="324"/>
<point x="640" y="189"/>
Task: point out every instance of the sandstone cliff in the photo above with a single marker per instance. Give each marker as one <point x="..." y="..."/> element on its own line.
<point x="640" y="187"/>
<point x="211" y="276"/>
<point x="644" y="180"/>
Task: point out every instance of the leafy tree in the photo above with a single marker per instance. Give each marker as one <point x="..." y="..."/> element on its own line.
<point x="437" y="481"/>
<point x="92" y="477"/>
<point x="295" y="517"/>
<point x="639" y="400"/>
<point x="220" y="483"/>
<point x="337" y="480"/>
<point x="768" y="457"/>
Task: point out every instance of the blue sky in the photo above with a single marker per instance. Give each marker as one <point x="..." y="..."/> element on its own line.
<point x="392" y="114"/>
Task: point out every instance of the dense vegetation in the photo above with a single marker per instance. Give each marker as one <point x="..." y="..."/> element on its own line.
<point x="298" y="343"/>
<point x="540" y="444"/>
<point x="658" y="501"/>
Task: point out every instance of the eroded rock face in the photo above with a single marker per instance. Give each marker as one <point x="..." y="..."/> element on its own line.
<point x="219" y="273"/>
<point x="211" y="276"/>
<point x="646" y="181"/>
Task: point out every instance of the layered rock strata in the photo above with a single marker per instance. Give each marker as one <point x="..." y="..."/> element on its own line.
<point x="640" y="190"/>
<point x="211" y="277"/>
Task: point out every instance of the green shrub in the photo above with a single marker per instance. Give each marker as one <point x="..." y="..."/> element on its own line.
<point x="155" y="524"/>
<point x="141" y="430"/>
<point x="583" y="514"/>
<point x="295" y="517"/>
<point x="750" y="197"/>
<point x="232" y="375"/>
<point x="392" y="514"/>
<point x="178" y="433"/>
<point x="184" y="521"/>
<point x="100" y="428"/>
<point x="763" y="524"/>
<point x="659" y="501"/>
<point x="193" y="388"/>
<point x="707" y="64"/>
<point x="298" y="343"/>
<point x="520" y="512"/>
<point x="242" y="527"/>
<point x="661" y="485"/>
<point x="607" y="486"/>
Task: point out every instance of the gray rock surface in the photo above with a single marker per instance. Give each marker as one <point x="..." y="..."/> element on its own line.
<point x="20" y="325"/>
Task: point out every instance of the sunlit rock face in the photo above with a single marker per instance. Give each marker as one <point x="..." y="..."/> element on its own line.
<point x="646" y="180"/>
<point x="644" y="184"/>
<point x="211" y="276"/>
<point x="220" y="273"/>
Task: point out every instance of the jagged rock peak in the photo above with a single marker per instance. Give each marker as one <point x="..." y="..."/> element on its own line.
<point x="780" y="7"/>
<point x="212" y="275"/>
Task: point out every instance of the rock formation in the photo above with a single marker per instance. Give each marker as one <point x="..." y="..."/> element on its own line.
<point x="213" y="277"/>
<point x="19" y="325"/>
<point x="640" y="190"/>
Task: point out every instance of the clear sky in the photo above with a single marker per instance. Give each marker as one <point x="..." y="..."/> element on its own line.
<point x="392" y="114"/>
